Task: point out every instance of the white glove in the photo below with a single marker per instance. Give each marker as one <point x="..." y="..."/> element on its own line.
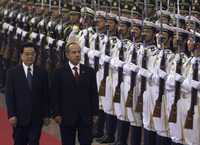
<point x="85" y="49"/>
<point x="179" y="77"/>
<point x="144" y="72"/>
<point x="162" y="74"/>
<point x="33" y="35"/>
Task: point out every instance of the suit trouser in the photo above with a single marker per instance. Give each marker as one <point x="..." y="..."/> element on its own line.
<point x="27" y="135"/>
<point x="111" y="124"/>
<point x="122" y="132"/>
<point x="136" y="135"/>
<point x="99" y="126"/>
<point x="68" y="133"/>
<point x="160" y="140"/>
<point x="149" y="137"/>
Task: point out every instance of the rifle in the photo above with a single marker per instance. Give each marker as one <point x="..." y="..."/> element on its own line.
<point x="87" y="39"/>
<point x="139" y="105"/>
<point x="157" y="109"/>
<point x="97" y="41"/>
<point x="194" y="93"/>
<point x="59" y="61"/>
<point x="40" y="60"/>
<point x="96" y="58"/>
<point x="129" y="102"/>
<point x="158" y="106"/>
<point x="190" y="113"/>
<point x="49" y="53"/>
<point x="87" y="44"/>
<point x="9" y="46"/>
<point x="117" y="95"/>
<point x="173" y="113"/>
<point x="16" y="50"/>
<point x="102" y="88"/>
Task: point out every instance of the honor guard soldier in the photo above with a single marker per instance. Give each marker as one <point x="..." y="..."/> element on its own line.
<point x="148" y="50"/>
<point x="175" y="83"/>
<point x="132" y="86"/>
<point x="119" y="99"/>
<point x="112" y="46"/>
<point x="97" y="45"/>
<point x="163" y="65"/>
<point x="74" y="20"/>
<point x="85" y="35"/>
<point x="189" y="108"/>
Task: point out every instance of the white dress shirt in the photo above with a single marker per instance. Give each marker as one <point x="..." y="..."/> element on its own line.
<point x="26" y="68"/>
<point x="72" y="66"/>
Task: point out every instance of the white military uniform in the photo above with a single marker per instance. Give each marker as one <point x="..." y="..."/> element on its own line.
<point x="111" y="81"/>
<point x="82" y="35"/>
<point x="133" y="117"/>
<point x="92" y="53"/>
<point x="175" y="129"/>
<point x="119" y="108"/>
<point x="161" y="123"/>
<point x="151" y="88"/>
<point x="191" y="136"/>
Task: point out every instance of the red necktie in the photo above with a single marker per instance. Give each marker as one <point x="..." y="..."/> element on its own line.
<point x="76" y="75"/>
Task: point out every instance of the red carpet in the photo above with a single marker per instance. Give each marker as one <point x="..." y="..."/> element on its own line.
<point x="6" y="133"/>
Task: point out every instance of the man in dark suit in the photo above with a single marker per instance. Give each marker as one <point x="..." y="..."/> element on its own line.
<point x="27" y="98"/>
<point x="75" y="98"/>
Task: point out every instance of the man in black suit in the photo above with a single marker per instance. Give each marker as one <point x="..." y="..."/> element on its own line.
<point x="75" y="98"/>
<point x="27" y="98"/>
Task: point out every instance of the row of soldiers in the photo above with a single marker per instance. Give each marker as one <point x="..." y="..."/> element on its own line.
<point x="145" y="55"/>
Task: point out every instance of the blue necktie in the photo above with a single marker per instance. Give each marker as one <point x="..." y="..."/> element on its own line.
<point x="29" y="78"/>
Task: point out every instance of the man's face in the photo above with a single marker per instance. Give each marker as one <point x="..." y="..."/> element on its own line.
<point x="100" y="23"/>
<point x="74" y="54"/>
<point x="148" y="35"/>
<point x="74" y="18"/>
<point x="123" y="29"/>
<point x="28" y="56"/>
<point x="112" y="25"/>
<point x="165" y="37"/>
<point x="86" y="21"/>
<point x="137" y="31"/>
<point x="190" y="44"/>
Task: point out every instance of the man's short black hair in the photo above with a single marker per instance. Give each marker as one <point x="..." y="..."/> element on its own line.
<point x="28" y="44"/>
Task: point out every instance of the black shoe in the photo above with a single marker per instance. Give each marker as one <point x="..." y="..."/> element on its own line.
<point x="100" y="138"/>
<point x="107" y="139"/>
<point x="97" y="135"/>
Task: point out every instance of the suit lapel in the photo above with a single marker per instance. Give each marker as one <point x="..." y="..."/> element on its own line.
<point x="23" y="77"/>
<point x="35" y="76"/>
<point x="69" y="72"/>
<point x="82" y="73"/>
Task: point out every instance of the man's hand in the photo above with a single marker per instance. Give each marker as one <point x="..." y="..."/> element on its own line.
<point x="13" y="121"/>
<point x="58" y="119"/>
<point x="46" y="121"/>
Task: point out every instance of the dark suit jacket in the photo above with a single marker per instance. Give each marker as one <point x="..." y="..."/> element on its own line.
<point x="75" y="100"/>
<point x="26" y="104"/>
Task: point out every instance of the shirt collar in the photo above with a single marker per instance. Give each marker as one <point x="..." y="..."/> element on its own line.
<point x="26" y="67"/>
<point x="72" y="66"/>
